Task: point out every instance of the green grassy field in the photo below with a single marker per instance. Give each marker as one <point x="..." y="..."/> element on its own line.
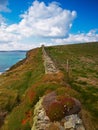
<point x="22" y="86"/>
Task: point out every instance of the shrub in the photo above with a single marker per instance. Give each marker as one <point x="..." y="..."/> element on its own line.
<point x="67" y="102"/>
<point x="55" y="111"/>
<point x="58" y="106"/>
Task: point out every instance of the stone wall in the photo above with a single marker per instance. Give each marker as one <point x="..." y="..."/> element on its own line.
<point x="42" y="122"/>
<point x="48" y="63"/>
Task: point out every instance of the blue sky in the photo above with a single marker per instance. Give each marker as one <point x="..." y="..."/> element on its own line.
<point x="26" y="24"/>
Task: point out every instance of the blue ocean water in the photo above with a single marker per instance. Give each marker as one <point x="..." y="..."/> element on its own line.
<point x="9" y="58"/>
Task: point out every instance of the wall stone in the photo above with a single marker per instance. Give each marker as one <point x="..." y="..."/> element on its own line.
<point x="48" y="63"/>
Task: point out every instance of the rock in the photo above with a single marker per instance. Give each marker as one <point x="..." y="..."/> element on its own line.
<point x="48" y="99"/>
<point x="48" y="63"/>
<point x="42" y="121"/>
<point x="42" y="126"/>
<point x="46" y="119"/>
<point x="69" y="124"/>
<point x="79" y="121"/>
<point x="72" y="121"/>
<point x="41" y="115"/>
<point x="80" y="127"/>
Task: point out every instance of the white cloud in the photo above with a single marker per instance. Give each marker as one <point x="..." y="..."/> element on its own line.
<point x="16" y="46"/>
<point x="46" y="21"/>
<point x="78" y="38"/>
<point x="39" y="20"/>
<point x="39" y="23"/>
<point x="7" y="35"/>
<point x="3" y="8"/>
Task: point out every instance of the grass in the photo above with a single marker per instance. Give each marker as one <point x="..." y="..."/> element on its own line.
<point x="22" y="86"/>
<point x="15" y="83"/>
<point x="83" y="72"/>
<point x="27" y="83"/>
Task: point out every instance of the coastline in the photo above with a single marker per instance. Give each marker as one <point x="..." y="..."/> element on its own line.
<point x="4" y="70"/>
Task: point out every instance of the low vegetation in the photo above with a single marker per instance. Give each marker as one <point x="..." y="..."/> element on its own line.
<point x="82" y="75"/>
<point x="57" y="107"/>
<point x="22" y="86"/>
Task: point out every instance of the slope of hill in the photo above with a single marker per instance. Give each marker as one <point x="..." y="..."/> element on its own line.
<point x="22" y="86"/>
<point x="83" y="73"/>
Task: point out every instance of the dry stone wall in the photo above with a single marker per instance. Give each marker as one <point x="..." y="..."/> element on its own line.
<point x="40" y="120"/>
<point x="48" y="63"/>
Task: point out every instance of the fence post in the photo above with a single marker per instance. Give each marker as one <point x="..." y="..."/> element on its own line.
<point x="67" y="70"/>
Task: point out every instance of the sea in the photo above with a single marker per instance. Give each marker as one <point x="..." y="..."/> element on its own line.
<point x="9" y="58"/>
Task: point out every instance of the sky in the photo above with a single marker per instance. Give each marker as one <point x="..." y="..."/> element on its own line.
<point x="27" y="24"/>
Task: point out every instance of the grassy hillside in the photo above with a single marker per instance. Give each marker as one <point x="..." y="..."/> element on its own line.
<point x="22" y="86"/>
<point x="14" y="84"/>
<point x="83" y="73"/>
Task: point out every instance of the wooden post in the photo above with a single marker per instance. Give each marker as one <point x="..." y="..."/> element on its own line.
<point x="67" y="70"/>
